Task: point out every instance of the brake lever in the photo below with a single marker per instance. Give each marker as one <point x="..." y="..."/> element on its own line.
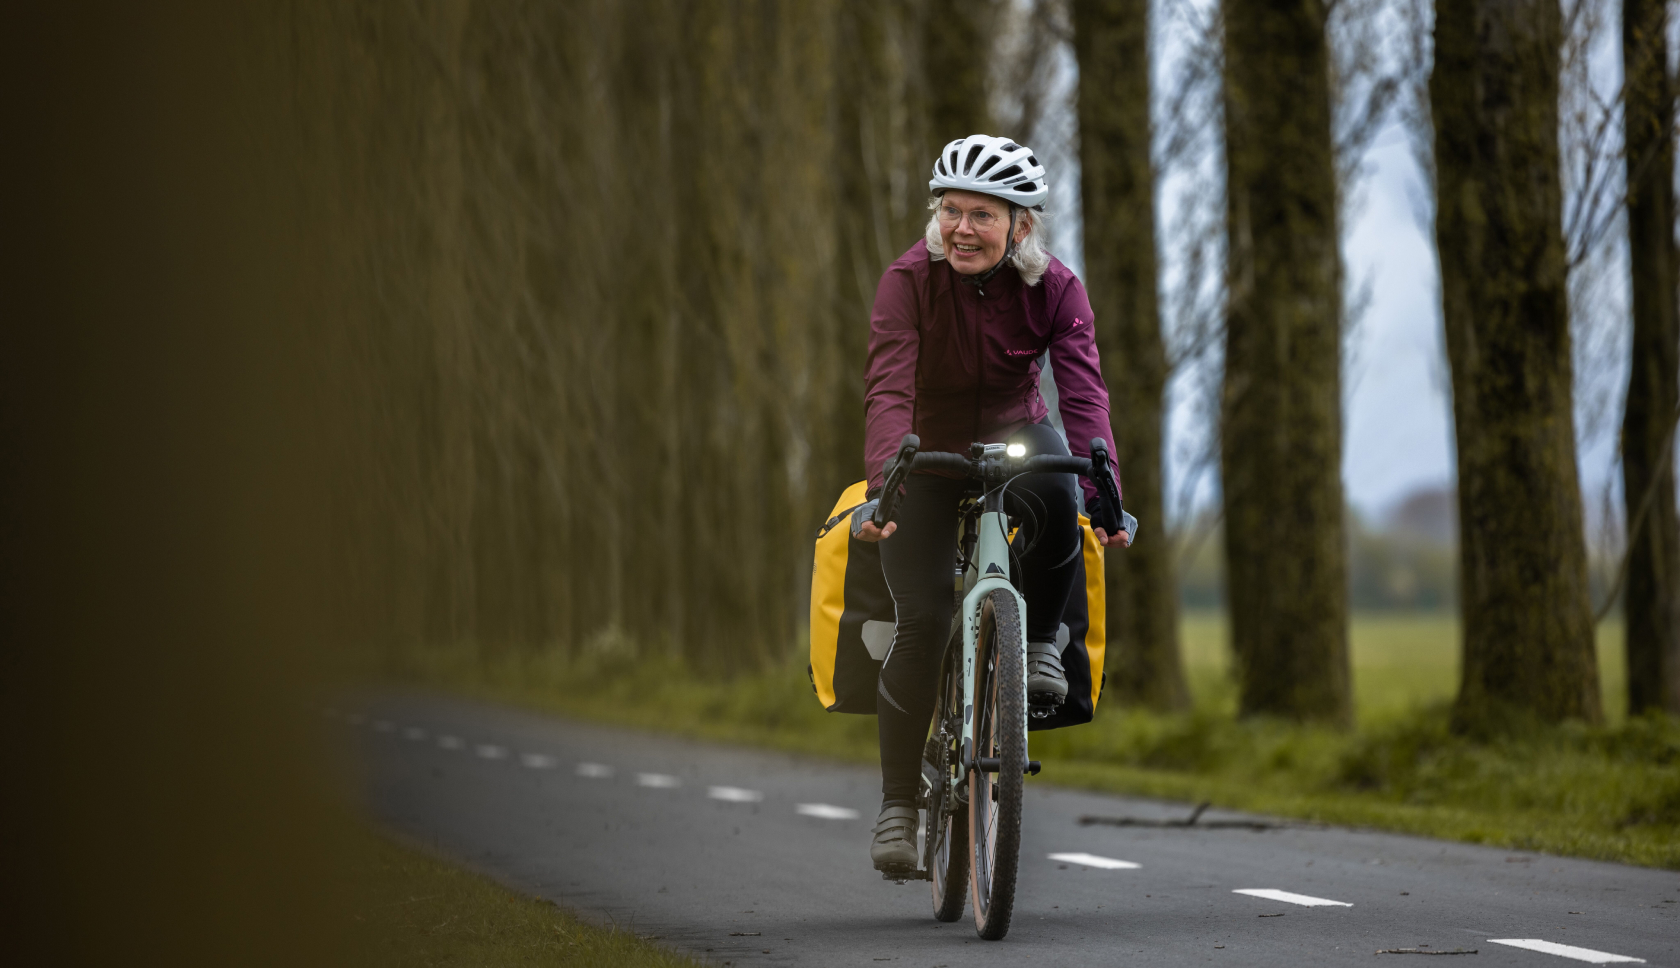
<point x="895" y="479"/>
<point x="1102" y="472"/>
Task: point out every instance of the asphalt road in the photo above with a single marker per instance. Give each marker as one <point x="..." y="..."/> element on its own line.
<point x="745" y="857"/>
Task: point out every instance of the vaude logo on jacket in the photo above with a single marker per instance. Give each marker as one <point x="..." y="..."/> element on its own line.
<point x="1022" y="352"/>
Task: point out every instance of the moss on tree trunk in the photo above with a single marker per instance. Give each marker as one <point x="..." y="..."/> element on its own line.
<point x="1653" y="566"/>
<point x="1281" y="410"/>
<point x="1528" y="642"/>
<point x="1112" y="41"/>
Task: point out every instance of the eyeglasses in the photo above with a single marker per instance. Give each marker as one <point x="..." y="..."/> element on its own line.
<point x="979" y="219"/>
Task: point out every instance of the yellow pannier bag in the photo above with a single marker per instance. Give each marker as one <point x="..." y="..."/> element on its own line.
<point x="852" y="621"/>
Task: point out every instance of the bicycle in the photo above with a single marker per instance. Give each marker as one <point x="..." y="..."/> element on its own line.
<point x="975" y="761"/>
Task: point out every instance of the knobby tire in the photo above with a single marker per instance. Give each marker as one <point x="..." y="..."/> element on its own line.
<point x="1000" y="730"/>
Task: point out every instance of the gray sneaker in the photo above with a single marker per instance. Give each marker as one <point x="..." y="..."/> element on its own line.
<point x="895" y="839"/>
<point x="1046" y="679"/>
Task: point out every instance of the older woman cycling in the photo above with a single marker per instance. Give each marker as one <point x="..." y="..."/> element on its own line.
<point x="959" y="324"/>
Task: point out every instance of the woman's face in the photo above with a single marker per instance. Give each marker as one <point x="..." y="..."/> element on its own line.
<point x="974" y="228"/>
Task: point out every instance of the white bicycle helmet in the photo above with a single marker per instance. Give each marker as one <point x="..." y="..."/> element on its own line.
<point x="993" y="166"/>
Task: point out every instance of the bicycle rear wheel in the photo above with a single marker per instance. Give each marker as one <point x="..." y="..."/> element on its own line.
<point x="947" y="822"/>
<point x="1000" y="733"/>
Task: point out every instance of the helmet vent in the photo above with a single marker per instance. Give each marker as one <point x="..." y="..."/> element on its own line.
<point x="1000" y="167"/>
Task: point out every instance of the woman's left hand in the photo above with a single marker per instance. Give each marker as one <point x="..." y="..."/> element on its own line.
<point x="1120" y="539"/>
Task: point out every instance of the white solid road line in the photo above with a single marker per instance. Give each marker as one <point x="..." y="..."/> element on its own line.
<point x="734" y="794"/>
<point x="1565" y="951"/>
<point x="1273" y="894"/>
<point x="827" y="811"/>
<point x="658" y="781"/>
<point x="537" y="761"/>
<point x="595" y="771"/>
<point x="490" y="751"/>
<point x="450" y="742"/>
<point x="1092" y="860"/>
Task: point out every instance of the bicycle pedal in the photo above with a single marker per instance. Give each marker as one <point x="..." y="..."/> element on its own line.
<point x="899" y="875"/>
<point x="1044" y="706"/>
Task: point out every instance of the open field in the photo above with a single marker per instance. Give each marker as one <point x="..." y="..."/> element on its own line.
<point x="1401" y="661"/>
<point x="1610" y="792"/>
<point x="412" y="909"/>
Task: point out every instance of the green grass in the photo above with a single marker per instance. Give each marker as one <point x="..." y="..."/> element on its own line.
<point x="1401" y="661"/>
<point x="412" y="909"/>
<point x="1610" y="792"/>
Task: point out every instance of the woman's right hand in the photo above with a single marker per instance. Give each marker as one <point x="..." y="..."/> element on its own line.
<point x="868" y="531"/>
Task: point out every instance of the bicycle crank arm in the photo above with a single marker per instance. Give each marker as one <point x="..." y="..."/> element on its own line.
<point x="992" y="764"/>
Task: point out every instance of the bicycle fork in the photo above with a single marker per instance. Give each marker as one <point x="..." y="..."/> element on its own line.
<point x="991" y="573"/>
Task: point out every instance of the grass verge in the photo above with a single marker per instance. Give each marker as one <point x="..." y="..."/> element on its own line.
<point x="412" y="909"/>
<point x="1607" y="792"/>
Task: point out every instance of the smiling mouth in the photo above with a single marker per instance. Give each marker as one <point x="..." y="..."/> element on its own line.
<point x="968" y="249"/>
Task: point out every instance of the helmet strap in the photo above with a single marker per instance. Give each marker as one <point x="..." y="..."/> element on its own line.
<point x="979" y="280"/>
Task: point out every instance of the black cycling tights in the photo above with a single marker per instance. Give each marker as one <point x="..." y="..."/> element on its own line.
<point x="919" y="561"/>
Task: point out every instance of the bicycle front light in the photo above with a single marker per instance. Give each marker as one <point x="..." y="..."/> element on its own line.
<point x="1017" y="450"/>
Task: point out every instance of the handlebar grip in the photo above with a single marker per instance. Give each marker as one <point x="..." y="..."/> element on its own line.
<point x="937" y="461"/>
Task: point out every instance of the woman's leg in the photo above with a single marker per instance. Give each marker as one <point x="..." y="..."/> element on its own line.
<point x="919" y="562"/>
<point x="1047" y="506"/>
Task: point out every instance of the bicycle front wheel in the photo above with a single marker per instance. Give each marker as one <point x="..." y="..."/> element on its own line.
<point x="1000" y="736"/>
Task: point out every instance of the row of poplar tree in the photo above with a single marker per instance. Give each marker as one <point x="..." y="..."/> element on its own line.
<point x="1493" y="103"/>
<point x="613" y="262"/>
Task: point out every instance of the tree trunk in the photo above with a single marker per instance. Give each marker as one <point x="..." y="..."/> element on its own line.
<point x="1112" y="41"/>
<point x="957" y="45"/>
<point x="1652" y="604"/>
<point x="1528" y="642"/>
<point x="1281" y="408"/>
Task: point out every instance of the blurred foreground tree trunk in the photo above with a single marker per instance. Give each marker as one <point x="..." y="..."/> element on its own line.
<point x="1528" y="641"/>
<point x="1281" y="428"/>
<point x="1652" y="604"/>
<point x="1111" y="38"/>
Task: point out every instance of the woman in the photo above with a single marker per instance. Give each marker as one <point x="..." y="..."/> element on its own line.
<point x="959" y="324"/>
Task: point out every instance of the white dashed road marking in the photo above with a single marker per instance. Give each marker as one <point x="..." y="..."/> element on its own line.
<point x="537" y="761"/>
<point x="735" y="794"/>
<point x="596" y="771"/>
<point x="490" y="751"/>
<point x="658" y="781"/>
<point x="1273" y="894"/>
<point x="414" y="732"/>
<point x="1092" y="860"/>
<point x="1565" y="951"/>
<point x="450" y="742"/>
<point x="827" y="811"/>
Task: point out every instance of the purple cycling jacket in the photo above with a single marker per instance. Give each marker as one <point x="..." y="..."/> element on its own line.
<point x="953" y="366"/>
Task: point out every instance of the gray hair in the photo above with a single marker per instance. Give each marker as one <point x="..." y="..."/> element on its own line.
<point x="1030" y="259"/>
